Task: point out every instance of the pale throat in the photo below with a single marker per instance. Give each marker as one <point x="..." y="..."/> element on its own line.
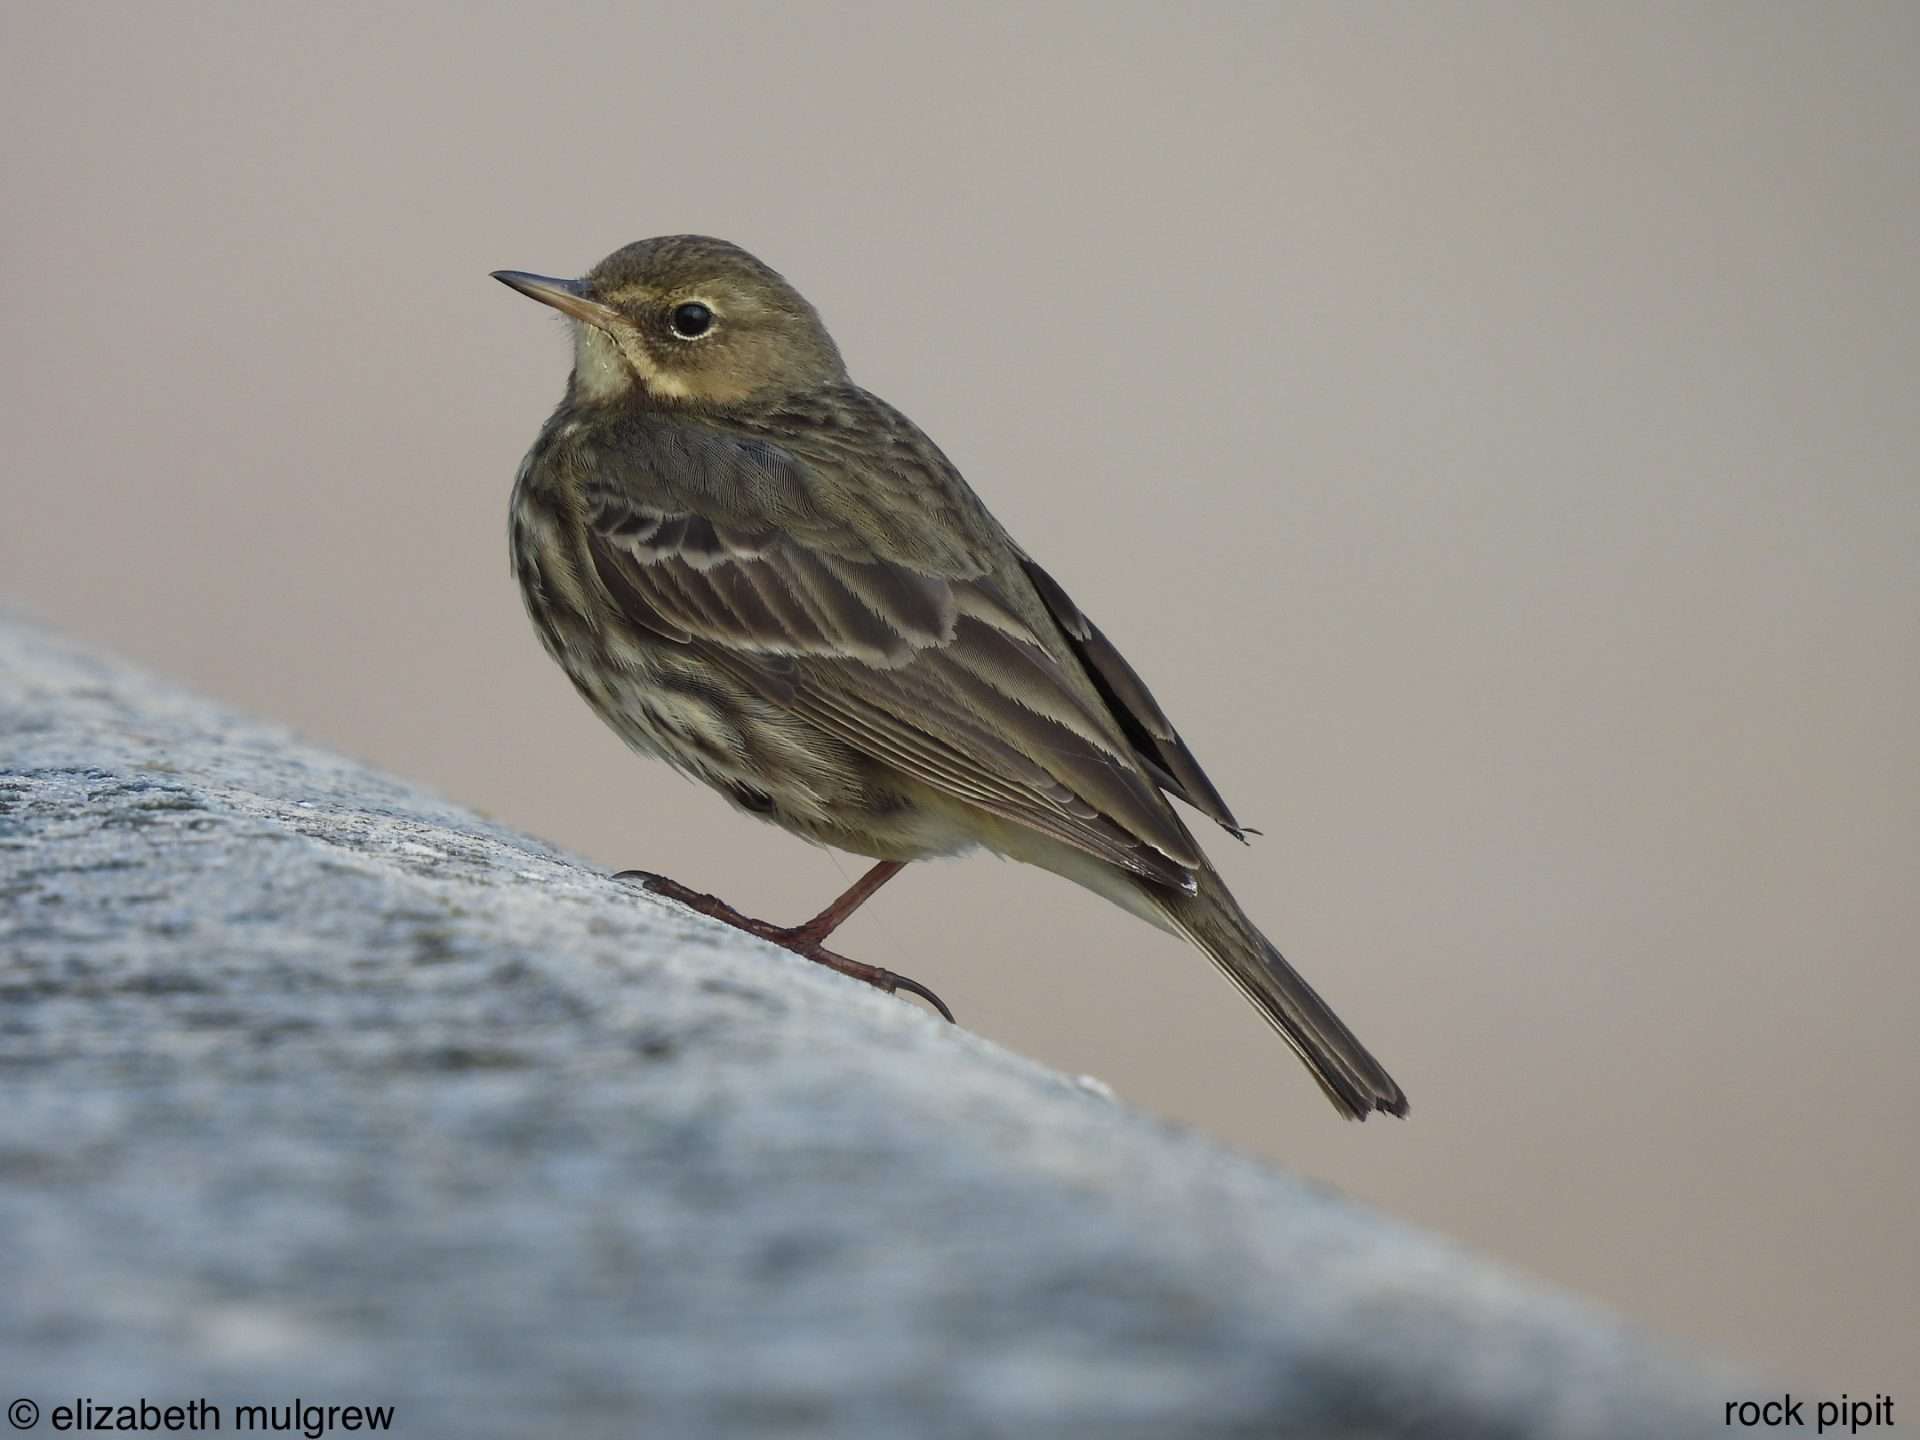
<point x="603" y="370"/>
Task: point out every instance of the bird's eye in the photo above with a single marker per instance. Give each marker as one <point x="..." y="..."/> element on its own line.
<point x="691" y="320"/>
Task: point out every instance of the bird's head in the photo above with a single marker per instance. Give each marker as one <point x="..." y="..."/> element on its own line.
<point x="687" y="320"/>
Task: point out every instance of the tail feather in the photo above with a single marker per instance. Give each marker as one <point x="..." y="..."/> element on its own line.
<point x="1356" y="1082"/>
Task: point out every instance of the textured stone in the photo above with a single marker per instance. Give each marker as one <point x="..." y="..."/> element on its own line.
<point x="319" y="1086"/>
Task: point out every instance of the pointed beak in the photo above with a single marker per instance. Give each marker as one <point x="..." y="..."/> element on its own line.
<point x="569" y="297"/>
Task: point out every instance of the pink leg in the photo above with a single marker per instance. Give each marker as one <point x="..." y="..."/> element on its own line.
<point x="803" y="939"/>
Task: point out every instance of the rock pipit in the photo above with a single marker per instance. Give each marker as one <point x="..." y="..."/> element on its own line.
<point x="771" y="579"/>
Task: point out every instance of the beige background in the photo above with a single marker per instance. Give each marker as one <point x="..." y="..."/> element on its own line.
<point x="1492" y="432"/>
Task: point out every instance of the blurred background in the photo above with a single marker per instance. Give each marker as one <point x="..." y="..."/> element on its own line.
<point x="1491" y="429"/>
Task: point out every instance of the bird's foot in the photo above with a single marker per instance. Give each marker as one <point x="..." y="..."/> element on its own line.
<point x="802" y="940"/>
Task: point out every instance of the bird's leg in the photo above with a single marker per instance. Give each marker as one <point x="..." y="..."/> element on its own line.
<point x="802" y="939"/>
<point x="857" y="894"/>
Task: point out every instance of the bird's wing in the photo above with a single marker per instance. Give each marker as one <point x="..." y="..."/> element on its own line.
<point x="1131" y="704"/>
<point x="900" y="639"/>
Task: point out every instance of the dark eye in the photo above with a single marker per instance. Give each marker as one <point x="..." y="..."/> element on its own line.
<point x="691" y="320"/>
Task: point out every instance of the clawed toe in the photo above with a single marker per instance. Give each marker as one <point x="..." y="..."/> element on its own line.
<point x="874" y="975"/>
<point x="914" y="987"/>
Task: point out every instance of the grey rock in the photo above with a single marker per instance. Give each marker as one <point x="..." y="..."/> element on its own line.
<point x="317" y="1086"/>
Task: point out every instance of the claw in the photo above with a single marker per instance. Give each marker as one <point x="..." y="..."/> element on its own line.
<point x="647" y="878"/>
<point x="914" y="987"/>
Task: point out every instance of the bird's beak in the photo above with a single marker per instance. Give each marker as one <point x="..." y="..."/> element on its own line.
<point x="569" y="297"/>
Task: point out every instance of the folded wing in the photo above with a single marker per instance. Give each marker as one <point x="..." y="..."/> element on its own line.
<point x="940" y="667"/>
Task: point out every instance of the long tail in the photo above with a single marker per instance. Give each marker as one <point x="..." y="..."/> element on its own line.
<point x="1356" y="1082"/>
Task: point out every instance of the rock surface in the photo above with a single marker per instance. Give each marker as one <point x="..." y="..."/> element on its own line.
<point x="318" y="1086"/>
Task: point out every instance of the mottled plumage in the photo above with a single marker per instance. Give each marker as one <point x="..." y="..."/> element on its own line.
<point x="773" y="580"/>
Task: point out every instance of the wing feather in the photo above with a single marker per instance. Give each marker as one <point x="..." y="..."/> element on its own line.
<point x="1133" y="705"/>
<point x="925" y="661"/>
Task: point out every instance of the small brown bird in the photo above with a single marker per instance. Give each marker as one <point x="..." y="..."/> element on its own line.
<point x="771" y="579"/>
